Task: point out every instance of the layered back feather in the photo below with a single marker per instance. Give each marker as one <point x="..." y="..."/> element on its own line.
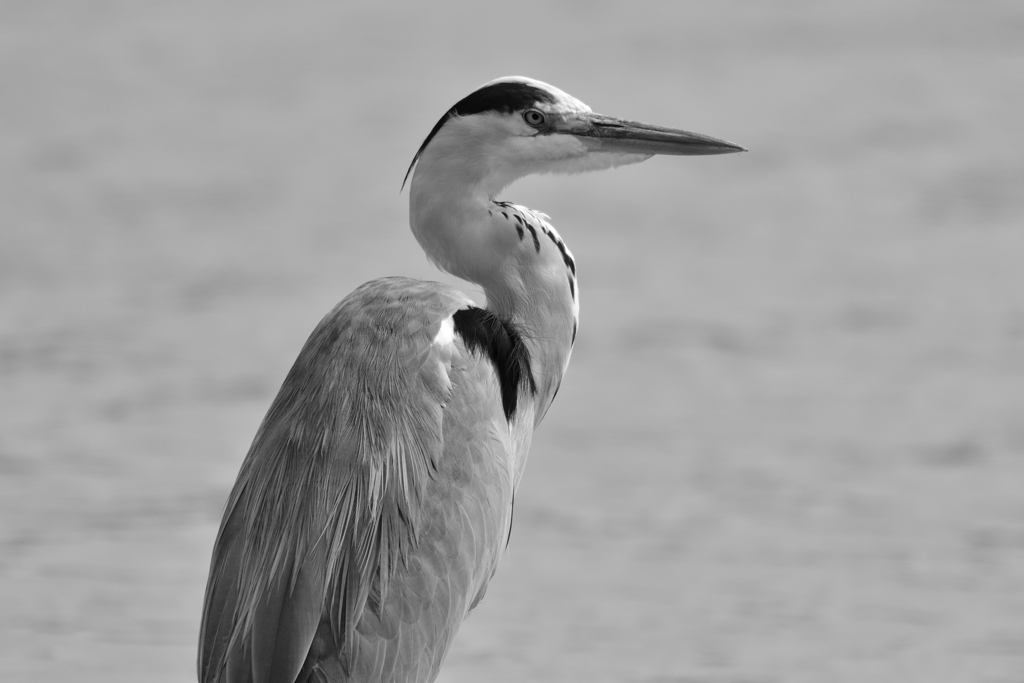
<point x="370" y="428"/>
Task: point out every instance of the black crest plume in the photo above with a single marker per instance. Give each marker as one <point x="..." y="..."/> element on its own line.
<point x="503" y="98"/>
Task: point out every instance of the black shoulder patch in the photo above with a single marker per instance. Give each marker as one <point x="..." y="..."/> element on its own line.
<point x="484" y="332"/>
<point x="502" y="98"/>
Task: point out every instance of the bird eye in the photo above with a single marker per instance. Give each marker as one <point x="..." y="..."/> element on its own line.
<point x="533" y="117"/>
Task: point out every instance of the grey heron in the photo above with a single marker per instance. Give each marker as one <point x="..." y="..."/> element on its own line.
<point x="376" y="499"/>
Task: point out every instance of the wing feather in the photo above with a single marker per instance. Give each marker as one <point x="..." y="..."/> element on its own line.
<point x="327" y="503"/>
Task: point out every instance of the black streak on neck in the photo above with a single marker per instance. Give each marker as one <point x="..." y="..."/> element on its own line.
<point x="484" y="332"/>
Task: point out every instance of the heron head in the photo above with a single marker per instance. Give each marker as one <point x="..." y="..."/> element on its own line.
<point x="516" y="126"/>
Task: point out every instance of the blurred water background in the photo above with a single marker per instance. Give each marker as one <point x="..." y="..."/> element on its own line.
<point x="790" y="447"/>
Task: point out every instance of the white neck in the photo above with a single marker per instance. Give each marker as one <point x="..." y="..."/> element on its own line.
<point x="511" y="252"/>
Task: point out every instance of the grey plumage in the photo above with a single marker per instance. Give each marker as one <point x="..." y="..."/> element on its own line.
<point x="376" y="499"/>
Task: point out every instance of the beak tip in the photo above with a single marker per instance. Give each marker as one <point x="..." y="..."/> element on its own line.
<point x="720" y="148"/>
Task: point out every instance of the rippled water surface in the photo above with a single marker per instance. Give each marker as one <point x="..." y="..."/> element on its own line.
<point x="790" y="446"/>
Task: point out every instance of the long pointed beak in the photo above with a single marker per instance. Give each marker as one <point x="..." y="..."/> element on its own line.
<point x="609" y="134"/>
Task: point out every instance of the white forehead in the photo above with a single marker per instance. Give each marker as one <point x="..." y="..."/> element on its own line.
<point x="564" y="102"/>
